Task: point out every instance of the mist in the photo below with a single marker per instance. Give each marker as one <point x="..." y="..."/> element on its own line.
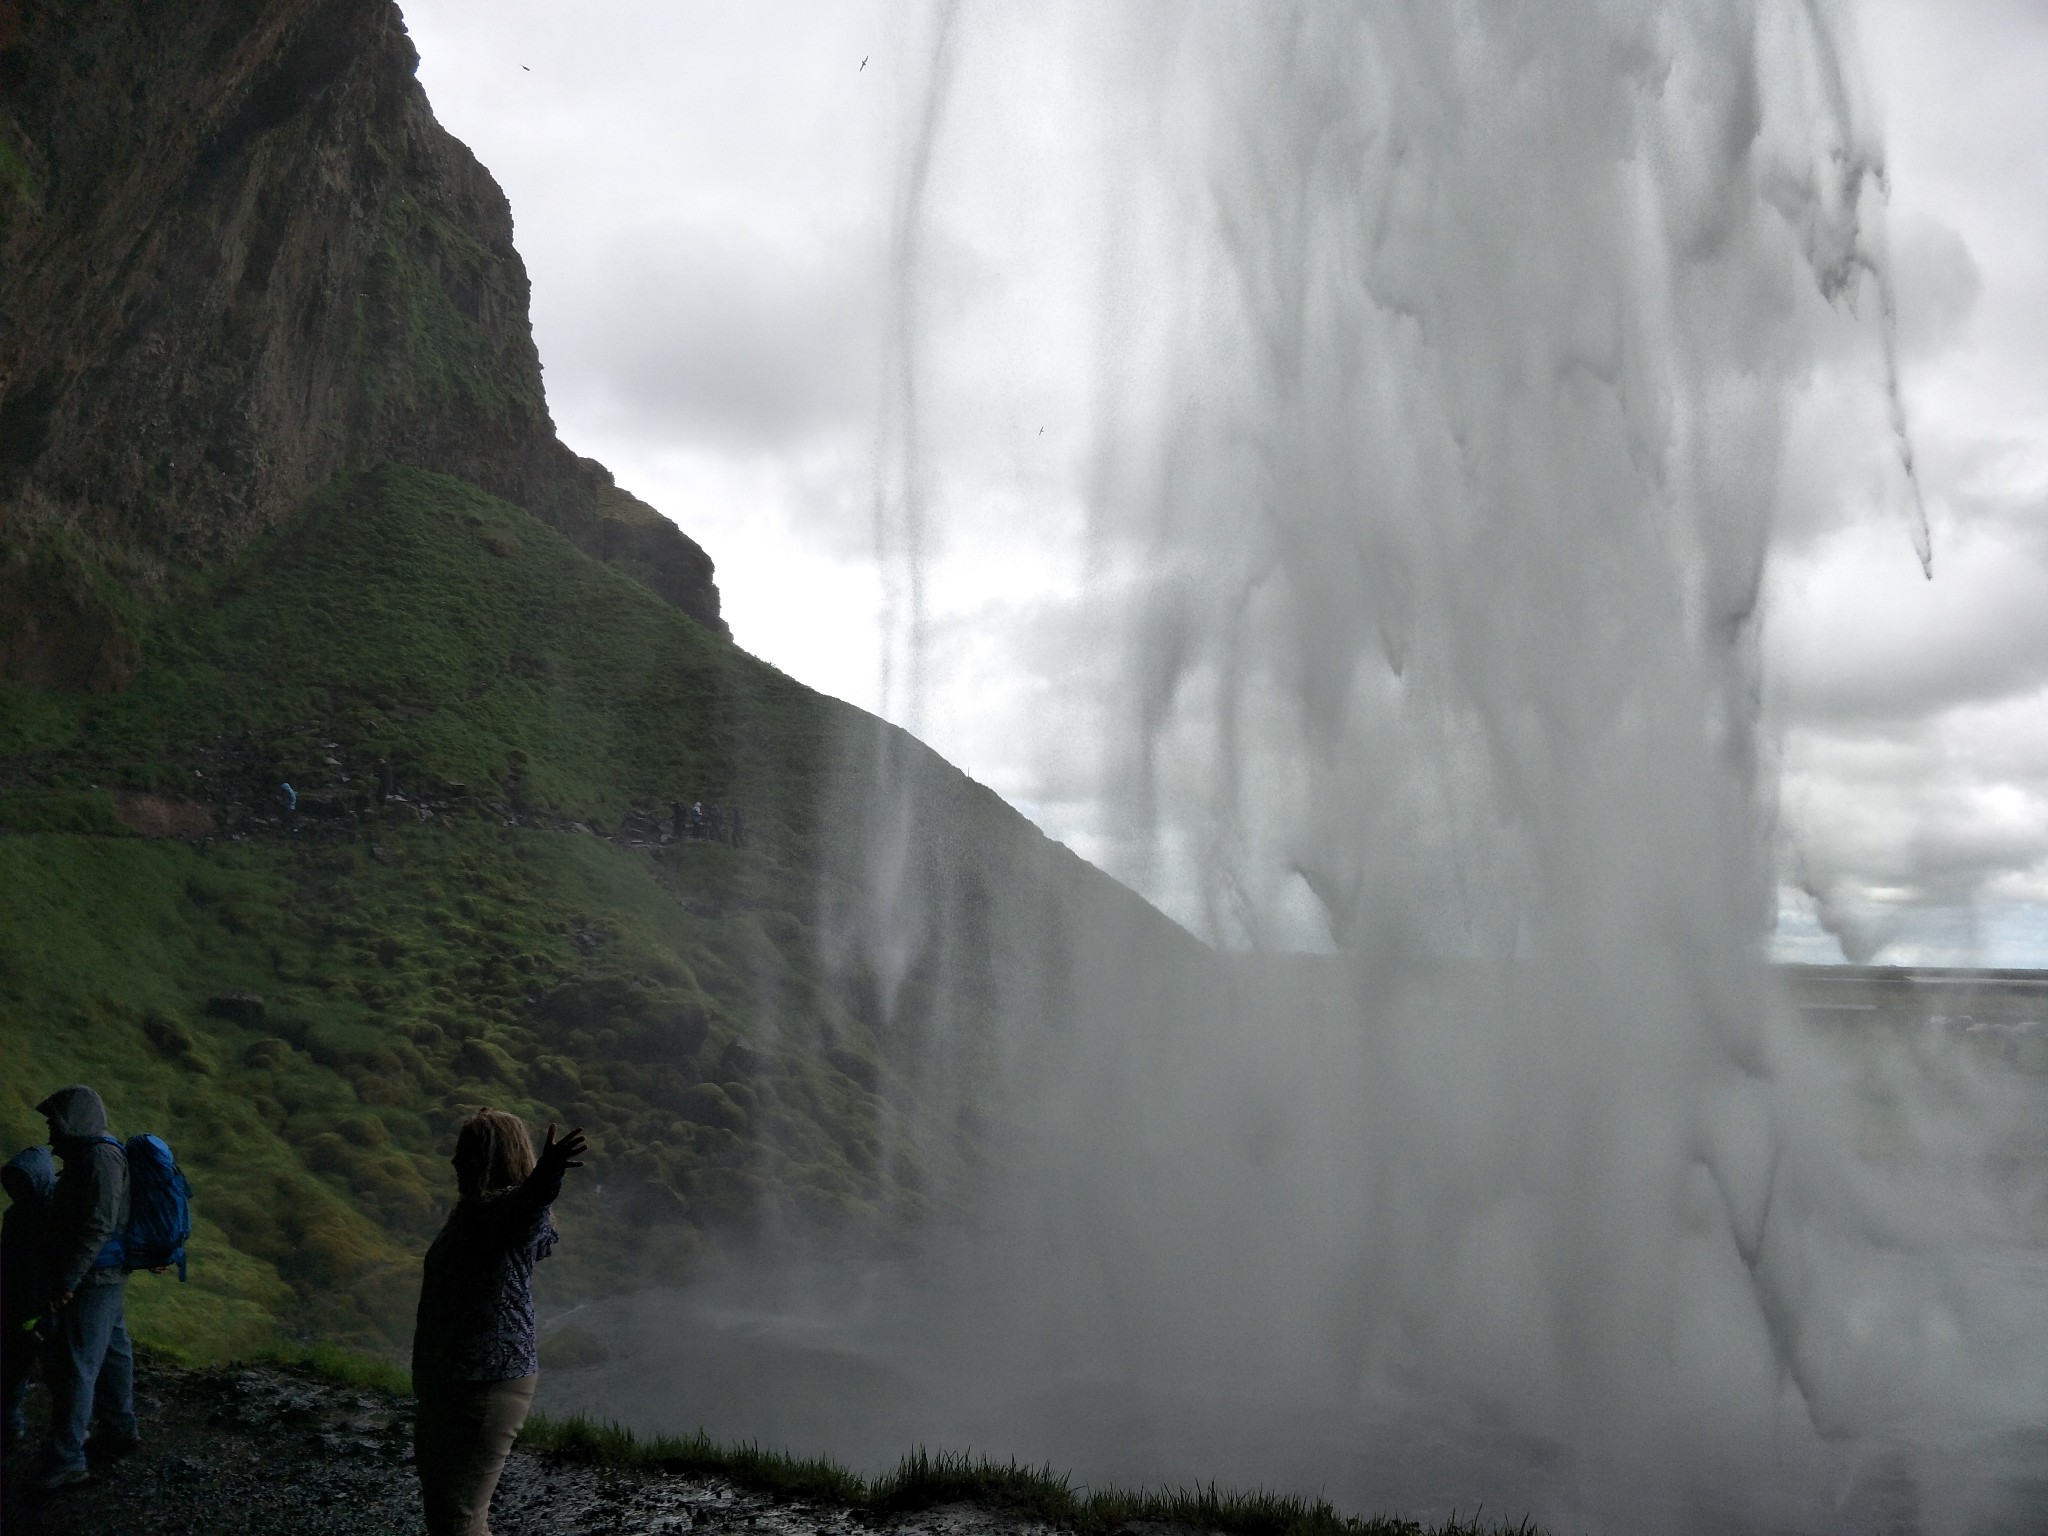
<point x="1456" y="368"/>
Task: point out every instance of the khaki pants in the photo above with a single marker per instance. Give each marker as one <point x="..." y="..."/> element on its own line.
<point x="460" y="1441"/>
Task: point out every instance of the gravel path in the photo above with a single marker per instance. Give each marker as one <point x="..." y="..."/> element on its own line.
<point x="253" y="1451"/>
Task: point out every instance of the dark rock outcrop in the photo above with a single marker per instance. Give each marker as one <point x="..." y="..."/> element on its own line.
<point x="237" y="256"/>
<point x="244" y="1008"/>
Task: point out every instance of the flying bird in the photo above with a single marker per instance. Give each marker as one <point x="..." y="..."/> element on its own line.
<point x="863" y="63"/>
<point x="527" y="67"/>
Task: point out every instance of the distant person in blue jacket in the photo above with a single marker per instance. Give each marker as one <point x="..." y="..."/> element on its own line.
<point x="90" y="1365"/>
<point x="30" y="1179"/>
<point x="475" y="1358"/>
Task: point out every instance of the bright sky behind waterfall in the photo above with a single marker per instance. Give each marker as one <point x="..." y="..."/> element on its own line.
<point x="702" y="194"/>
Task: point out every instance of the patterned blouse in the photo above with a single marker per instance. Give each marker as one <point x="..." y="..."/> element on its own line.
<point x="475" y="1321"/>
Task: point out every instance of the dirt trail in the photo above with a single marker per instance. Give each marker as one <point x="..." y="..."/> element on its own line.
<point x="254" y="1451"/>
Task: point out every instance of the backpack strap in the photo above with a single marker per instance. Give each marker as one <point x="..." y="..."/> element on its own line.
<point x="112" y="1252"/>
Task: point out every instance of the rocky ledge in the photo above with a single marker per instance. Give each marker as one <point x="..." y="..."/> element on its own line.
<point x="256" y="1450"/>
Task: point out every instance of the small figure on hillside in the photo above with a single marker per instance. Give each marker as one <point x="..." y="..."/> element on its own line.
<point x="387" y="783"/>
<point x="714" y="822"/>
<point x="30" y="1179"/>
<point x="90" y="1365"/>
<point x="696" y="818"/>
<point x="677" y="807"/>
<point x="474" y="1353"/>
<point x="289" y="797"/>
<point x="739" y="828"/>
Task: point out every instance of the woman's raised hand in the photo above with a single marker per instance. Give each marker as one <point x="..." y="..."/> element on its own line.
<point x="566" y="1153"/>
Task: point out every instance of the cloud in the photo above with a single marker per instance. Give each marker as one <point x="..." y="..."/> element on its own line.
<point x="1914" y="714"/>
<point x="1923" y="837"/>
<point x="707" y="334"/>
<point x="1937" y="282"/>
<point x="1857" y="634"/>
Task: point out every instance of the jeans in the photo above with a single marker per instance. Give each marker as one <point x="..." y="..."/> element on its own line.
<point x="19" y="1351"/>
<point x="460" y="1441"/>
<point x="90" y="1370"/>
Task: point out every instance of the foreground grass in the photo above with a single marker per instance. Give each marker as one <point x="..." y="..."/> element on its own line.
<point x="922" y="1480"/>
<point x="925" y="1478"/>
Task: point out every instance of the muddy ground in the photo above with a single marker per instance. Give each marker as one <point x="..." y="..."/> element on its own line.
<point x="256" y="1450"/>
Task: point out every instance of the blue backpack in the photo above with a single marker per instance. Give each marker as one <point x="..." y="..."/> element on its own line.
<point x="159" y="1210"/>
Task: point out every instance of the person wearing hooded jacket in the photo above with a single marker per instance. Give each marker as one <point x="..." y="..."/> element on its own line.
<point x="89" y="1364"/>
<point x="30" y="1179"/>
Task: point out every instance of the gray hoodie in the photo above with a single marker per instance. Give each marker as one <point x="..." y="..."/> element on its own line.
<point x="92" y="1191"/>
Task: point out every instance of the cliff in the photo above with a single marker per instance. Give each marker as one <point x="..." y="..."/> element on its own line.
<point x="238" y="256"/>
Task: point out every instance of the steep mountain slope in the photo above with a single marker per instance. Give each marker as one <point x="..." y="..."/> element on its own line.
<point x="513" y="927"/>
<point x="238" y="256"/>
<point x="280" y="503"/>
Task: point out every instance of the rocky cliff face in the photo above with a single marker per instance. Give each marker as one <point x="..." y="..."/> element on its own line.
<point x="237" y="257"/>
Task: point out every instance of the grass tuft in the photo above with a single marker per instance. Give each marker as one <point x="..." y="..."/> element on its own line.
<point x="926" y="1479"/>
<point x="812" y="1479"/>
<point x="343" y="1367"/>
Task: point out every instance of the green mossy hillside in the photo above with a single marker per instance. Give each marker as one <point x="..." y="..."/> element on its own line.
<point x="409" y="617"/>
<point x="513" y="931"/>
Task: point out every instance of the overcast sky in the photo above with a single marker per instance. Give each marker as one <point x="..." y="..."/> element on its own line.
<point x="703" y="195"/>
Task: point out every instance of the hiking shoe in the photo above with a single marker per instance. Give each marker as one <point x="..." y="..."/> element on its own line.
<point x="63" y="1477"/>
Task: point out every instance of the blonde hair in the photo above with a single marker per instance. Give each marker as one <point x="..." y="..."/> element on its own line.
<point x="492" y="1152"/>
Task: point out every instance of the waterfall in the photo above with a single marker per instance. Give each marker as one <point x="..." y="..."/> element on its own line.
<point x="1442" y="475"/>
<point x="1456" y="375"/>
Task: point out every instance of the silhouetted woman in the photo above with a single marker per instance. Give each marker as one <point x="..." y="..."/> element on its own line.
<point x="473" y="1349"/>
